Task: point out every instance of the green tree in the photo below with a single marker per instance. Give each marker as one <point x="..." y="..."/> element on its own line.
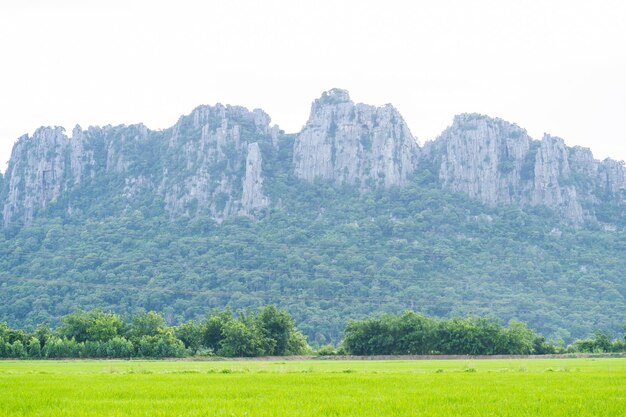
<point x="602" y="341"/>
<point x="277" y="329"/>
<point x="94" y="325"/>
<point x="118" y="347"/>
<point x="42" y="333"/>
<point x="18" y="350"/>
<point x="190" y="334"/>
<point x="212" y="330"/>
<point x="240" y="340"/>
<point x="34" y="348"/>
<point x="148" y="323"/>
<point x="519" y="339"/>
<point x="161" y="345"/>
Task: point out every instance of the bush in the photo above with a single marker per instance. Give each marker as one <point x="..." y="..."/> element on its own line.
<point x="163" y="345"/>
<point x="326" y="350"/>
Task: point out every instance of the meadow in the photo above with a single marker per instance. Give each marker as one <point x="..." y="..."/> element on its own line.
<point x="473" y="387"/>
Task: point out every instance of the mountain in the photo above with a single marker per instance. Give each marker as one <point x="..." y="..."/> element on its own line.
<point x="347" y="217"/>
<point x="210" y="160"/>
<point x="497" y="162"/>
<point x="354" y="144"/>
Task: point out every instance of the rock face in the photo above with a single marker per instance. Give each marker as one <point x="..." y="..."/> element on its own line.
<point x="253" y="199"/>
<point x="209" y="161"/>
<point x="551" y="185"/>
<point x="611" y="177"/>
<point x="354" y="143"/>
<point x="497" y="162"/>
<point x="212" y="161"/>
<point x="482" y="157"/>
<point x="41" y="168"/>
<point x="44" y="160"/>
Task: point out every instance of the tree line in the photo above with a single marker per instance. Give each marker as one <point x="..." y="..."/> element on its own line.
<point x="99" y="334"/>
<point x="270" y="331"/>
<point x="415" y="334"/>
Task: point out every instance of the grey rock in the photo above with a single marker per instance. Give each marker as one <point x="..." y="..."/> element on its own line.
<point x="211" y="161"/>
<point x="481" y="157"/>
<point x="217" y="169"/>
<point x="121" y="142"/>
<point x="253" y="199"/>
<point x="354" y="144"/>
<point x="611" y="176"/>
<point x="552" y="186"/>
<point x="497" y="162"/>
<point x="36" y="174"/>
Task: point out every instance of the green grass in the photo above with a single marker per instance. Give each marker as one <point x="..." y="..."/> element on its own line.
<point x="522" y="387"/>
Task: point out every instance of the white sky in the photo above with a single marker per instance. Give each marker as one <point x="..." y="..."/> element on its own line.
<point x="549" y="66"/>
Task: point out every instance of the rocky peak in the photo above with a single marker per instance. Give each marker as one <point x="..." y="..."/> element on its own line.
<point x="552" y="184"/>
<point x="252" y="198"/>
<point x="354" y="143"/>
<point x="209" y="161"/>
<point x="36" y="173"/>
<point x="333" y="96"/>
<point x="214" y="162"/>
<point x="611" y="178"/>
<point x="497" y="162"/>
<point x="480" y="156"/>
<point x="123" y="143"/>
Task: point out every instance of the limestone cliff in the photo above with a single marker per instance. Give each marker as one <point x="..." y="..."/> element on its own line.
<point x="218" y="159"/>
<point x="41" y="168"/>
<point x="354" y="143"/>
<point x="497" y="162"/>
<point x="253" y="198"/>
<point x="209" y="161"/>
<point x="482" y="157"/>
<point x="38" y="171"/>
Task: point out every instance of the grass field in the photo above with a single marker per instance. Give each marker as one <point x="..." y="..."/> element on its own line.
<point x="520" y="387"/>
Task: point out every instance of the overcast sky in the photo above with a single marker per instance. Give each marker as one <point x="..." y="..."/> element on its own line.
<point x="549" y="66"/>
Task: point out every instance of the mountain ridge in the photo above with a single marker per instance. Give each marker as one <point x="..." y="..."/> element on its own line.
<point x="212" y="212"/>
<point x="199" y="163"/>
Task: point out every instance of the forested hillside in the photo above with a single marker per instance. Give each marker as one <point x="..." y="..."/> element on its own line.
<point x="345" y="219"/>
<point x="327" y="255"/>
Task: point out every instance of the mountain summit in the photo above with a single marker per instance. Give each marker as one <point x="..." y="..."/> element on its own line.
<point x="356" y="144"/>
<point x="216" y="160"/>
<point x="497" y="162"/>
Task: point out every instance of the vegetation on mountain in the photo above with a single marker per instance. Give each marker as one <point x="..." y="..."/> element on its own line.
<point x="327" y="254"/>
<point x="348" y="218"/>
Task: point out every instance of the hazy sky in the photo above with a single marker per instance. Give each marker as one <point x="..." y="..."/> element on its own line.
<point x="549" y="66"/>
